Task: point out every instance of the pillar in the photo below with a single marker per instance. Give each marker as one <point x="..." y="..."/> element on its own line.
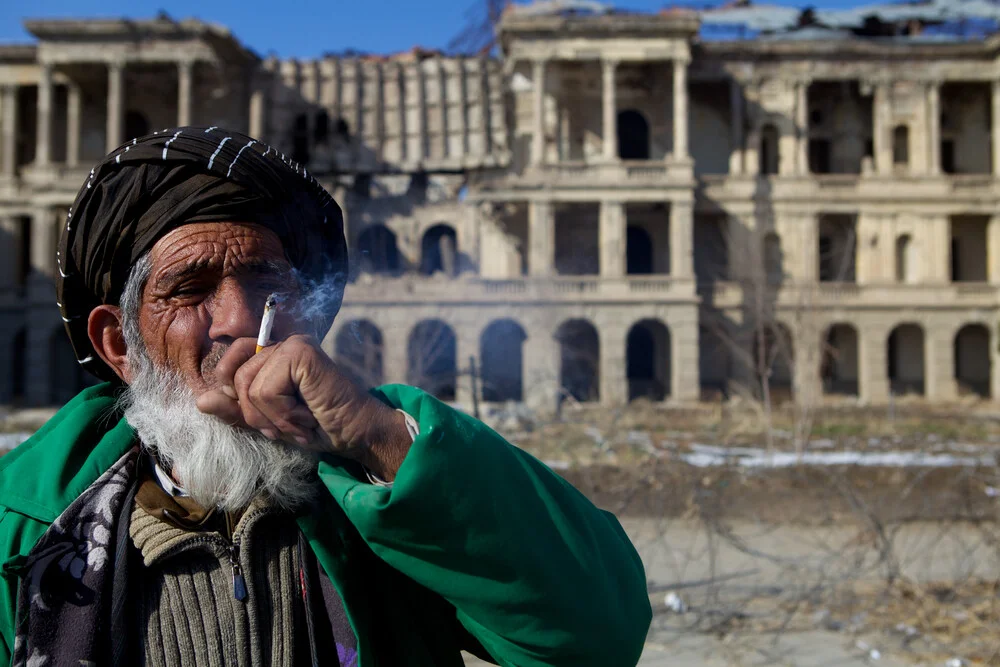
<point x="881" y="140"/>
<point x="808" y="250"/>
<point x="807" y="352"/>
<point x="680" y="110"/>
<point x="538" y="104"/>
<point x="939" y="364"/>
<point x="994" y="330"/>
<point x="73" y="105"/>
<point x="541" y="238"/>
<point x="735" y="128"/>
<point x="993" y="250"/>
<point x="395" y="360"/>
<point x="8" y="142"/>
<point x="9" y="247"/>
<point x="612" y="367"/>
<point x="43" y="134"/>
<point x="116" y="113"/>
<point x="612" y="239"/>
<point x="802" y="126"/>
<point x="681" y="239"/>
<point x="610" y="107"/>
<point x="466" y="346"/>
<point x="933" y="128"/>
<point x="995" y="127"/>
<point x="873" y="365"/>
<point x="185" y="72"/>
<point x="43" y="245"/>
<point x="257" y="104"/>
<point x="541" y="359"/>
<point x="685" y="379"/>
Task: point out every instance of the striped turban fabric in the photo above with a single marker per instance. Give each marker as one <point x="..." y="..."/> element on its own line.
<point x="154" y="184"/>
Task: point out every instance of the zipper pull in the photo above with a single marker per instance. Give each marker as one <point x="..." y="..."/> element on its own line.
<point x="239" y="583"/>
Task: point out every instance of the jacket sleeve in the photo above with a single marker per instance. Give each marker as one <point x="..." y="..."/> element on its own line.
<point x="538" y="575"/>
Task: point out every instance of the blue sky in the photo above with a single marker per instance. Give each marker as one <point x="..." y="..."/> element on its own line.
<point x="305" y="28"/>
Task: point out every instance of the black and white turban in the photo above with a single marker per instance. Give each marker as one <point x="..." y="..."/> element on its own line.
<point x="154" y="184"/>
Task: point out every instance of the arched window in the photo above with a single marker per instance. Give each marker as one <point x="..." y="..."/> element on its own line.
<point x="439" y="251"/>
<point x="905" y="359"/>
<point x="633" y="135"/>
<point x="501" y="358"/>
<point x="322" y="130"/>
<point x="972" y="360"/>
<point x="901" y="144"/>
<point x="358" y="351"/>
<point x="579" y="360"/>
<point x="647" y="361"/>
<point x="433" y="365"/>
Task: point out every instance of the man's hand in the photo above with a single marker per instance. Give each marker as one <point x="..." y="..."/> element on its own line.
<point x="293" y="391"/>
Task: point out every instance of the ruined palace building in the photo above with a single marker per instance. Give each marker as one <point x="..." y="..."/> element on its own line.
<point x="608" y="206"/>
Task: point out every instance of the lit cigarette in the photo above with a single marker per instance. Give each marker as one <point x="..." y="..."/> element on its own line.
<point x="267" y="322"/>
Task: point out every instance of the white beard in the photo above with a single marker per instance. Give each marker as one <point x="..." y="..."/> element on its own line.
<point x="218" y="465"/>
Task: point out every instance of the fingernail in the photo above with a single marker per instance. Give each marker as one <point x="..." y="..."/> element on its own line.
<point x="269" y="434"/>
<point x="302" y="440"/>
<point x="229" y="391"/>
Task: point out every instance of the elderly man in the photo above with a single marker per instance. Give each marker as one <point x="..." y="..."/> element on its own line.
<point x="213" y="503"/>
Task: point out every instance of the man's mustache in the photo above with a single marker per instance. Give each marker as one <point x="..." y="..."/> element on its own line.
<point x="212" y="359"/>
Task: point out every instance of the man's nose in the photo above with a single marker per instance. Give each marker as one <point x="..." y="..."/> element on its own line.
<point x="235" y="312"/>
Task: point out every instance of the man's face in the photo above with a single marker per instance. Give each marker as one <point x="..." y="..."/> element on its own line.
<point x="207" y="288"/>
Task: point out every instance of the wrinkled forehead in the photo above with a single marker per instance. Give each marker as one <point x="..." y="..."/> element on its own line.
<point x="225" y="246"/>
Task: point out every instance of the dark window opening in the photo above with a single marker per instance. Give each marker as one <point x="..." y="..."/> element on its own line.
<point x="322" y="130"/>
<point x="378" y="251"/>
<point x="341" y="128"/>
<point x="439" y="251"/>
<point x="417" y="190"/>
<point x="432" y="359"/>
<point x="901" y="145"/>
<point x="136" y="125"/>
<point x="955" y="269"/>
<point x="501" y="358"/>
<point x="819" y="156"/>
<point x="769" y="156"/>
<point x="362" y="186"/>
<point x="633" y="136"/>
<point x="638" y="251"/>
<point x="23" y="251"/>
<point x="300" y="139"/>
<point x="948" y="156"/>
<point x="19" y="366"/>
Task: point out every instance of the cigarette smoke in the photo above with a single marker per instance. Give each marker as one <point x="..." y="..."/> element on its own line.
<point x="316" y="301"/>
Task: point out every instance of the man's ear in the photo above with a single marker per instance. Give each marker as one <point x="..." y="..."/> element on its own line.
<point x="104" y="327"/>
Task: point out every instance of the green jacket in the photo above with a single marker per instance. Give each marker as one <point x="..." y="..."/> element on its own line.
<point x="477" y="545"/>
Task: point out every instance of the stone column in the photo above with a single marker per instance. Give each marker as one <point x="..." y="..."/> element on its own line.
<point x="939" y="364"/>
<point x="612" y="239"/>
<point x="116" y="102"/>
<point x="933" y="128"/>
<point x="994" y="361"/>
<point x="43" y="134"/>
<point x="9" y="246"/>
<point x="802" y="126"/>
<point x="685" y="376"/>
<point x="735" y="128"/>
<point x="73" y="125"/>
<point x="613" y="382"/>
<point x="541" y="238"/>
<point x="993" y="250"/>
<point x="541" y="370"/>
<point x="681" y="239"/>
<point x="538" y="104"/>
<point x="882" y="145"/>
<point x="995" y="127"/>
<point x="257" y="104"/>
<point x="466" y="346"/>
<point x="43" y="245"/>
<point x="680" y="110"/>
<point x="808" y="249"/>
<point x="610" y="107"/>
<point x="395" y="362"/>
<point x="8" y="142"/>
<point x="185" y="74"/>
<point x="873" y="365"/>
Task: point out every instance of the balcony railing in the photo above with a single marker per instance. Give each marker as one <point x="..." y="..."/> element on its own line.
<point x="821" y="295"/>
<point x="407" y="288"/>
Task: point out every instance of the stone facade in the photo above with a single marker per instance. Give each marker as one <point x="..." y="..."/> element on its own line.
<point x="611" y="209"/>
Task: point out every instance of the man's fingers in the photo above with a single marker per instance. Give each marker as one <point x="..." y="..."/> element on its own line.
<point x="239" y="353"/>
<point x="215" y="402"/>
